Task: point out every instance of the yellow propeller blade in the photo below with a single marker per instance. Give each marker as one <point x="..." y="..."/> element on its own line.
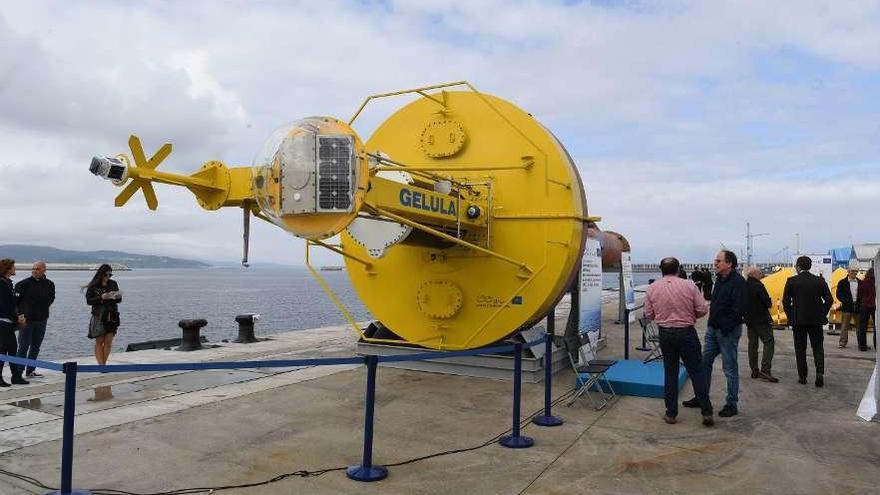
<point x="160" y="155"/>
<point x="127" y="193"/>
<point x="137" y="151"/>
<point x="150" y="196"/>
<point x="140" y="161"/>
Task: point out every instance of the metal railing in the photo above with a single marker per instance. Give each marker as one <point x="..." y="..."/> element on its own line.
<point x="366" y="470"/>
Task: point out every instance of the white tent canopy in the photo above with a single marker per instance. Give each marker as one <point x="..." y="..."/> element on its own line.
<point x="865" y="253"/>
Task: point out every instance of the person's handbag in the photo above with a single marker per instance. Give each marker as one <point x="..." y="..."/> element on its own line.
<point x="110" y="319"/>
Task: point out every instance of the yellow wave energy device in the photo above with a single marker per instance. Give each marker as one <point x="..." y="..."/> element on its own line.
<point x="461" y="219"/>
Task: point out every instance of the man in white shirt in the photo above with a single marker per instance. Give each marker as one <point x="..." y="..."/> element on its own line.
<point x="846" y="292"/>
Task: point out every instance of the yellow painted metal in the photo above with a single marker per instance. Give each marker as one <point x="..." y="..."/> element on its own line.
<point x="336" y="302"/>
<point x="836" y="276"/>
<point x="424" y="205"/>
<point x="214" y="185"/>
<point x="455" y="282"/>
<point x="441" y="235"/>
<point x="439" y="299"/>
<point x="530" y="262"/>
<point x="775" y="284"/>
<point x="442" y="137"/>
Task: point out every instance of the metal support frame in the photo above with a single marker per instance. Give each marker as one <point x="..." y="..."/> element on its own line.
<point x="626" y="333"/>
<point x="67" y="433"/>
<point x="515" y="440"/>
<point x="525" y="271"/>
<point x="644" y="347"/>
<point x="547" y="419"/>
<point x="366" y="471"/>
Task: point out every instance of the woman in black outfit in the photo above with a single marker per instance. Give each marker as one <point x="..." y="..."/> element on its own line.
<point x="103" y="295"/>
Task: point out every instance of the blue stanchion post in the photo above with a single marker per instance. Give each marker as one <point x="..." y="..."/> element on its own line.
<point x="548" y="419"/>
<point x="67" y="433"/>
<point x="515" y="440"/>
<point x="366" y="471"/>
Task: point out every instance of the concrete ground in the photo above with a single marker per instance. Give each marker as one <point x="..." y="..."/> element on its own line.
<point x="210" y="429"/>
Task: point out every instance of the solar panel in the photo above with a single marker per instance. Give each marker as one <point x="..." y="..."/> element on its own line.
<point x="336" y="162"/>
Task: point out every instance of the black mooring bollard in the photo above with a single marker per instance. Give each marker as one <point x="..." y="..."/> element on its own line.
<point x="246" y="328"/>
<point x="191" y="340"/>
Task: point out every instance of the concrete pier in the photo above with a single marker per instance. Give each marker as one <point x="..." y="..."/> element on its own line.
<point x="148" y="432"/>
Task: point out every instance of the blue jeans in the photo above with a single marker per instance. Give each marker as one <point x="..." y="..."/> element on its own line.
<point x="725" y="344"/>
<point x="30" y="338"/>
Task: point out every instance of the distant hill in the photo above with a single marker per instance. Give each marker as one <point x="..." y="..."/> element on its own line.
<point x="25" y="253"/>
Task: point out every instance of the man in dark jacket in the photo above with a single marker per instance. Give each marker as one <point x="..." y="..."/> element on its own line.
<point x="758" y="324"/>
<point x="35" y="294"/>
<point x="847" y="291"/>
<point x="724" y="329"/>
<point x="806" y="300"/>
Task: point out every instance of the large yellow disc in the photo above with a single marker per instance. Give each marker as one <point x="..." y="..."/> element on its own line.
<point x="447" y="296"/>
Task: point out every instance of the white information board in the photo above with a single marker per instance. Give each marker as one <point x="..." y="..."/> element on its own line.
<point x="590" y="317"/>
<point x="822" y="265"/>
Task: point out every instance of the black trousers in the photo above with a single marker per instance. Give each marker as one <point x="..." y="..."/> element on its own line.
<point x="814" y="333"/>
<point x="683" y="344"/>
<point x="862" y="331"/>
<point x="8" y="345"/>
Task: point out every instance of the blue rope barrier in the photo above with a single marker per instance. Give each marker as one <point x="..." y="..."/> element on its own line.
<point x="36" y="363"/>
<point x="280" y="363"/>
<point x="364" y="472"/>
<point x="219" y="365"/>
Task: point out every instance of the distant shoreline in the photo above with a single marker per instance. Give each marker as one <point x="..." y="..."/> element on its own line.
<point x="82" y="267"/>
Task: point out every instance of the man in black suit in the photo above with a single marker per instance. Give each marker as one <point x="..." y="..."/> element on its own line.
<point x="806" y="300"/>
<point x="847" y="291"/>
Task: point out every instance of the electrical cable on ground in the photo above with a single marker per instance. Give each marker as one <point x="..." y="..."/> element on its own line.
<point x="524" y="423"/>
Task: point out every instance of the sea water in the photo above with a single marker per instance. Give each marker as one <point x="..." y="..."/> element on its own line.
<point x="155" y="300"/>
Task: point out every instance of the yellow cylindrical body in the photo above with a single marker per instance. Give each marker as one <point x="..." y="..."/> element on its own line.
<point x="447" y="296"/>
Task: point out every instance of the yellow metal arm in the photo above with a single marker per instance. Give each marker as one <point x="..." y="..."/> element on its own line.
<point x="214" y="185"/>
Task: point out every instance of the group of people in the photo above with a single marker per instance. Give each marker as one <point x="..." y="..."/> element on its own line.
<point x="675" y="304"/>
<point x="24" y="308"/>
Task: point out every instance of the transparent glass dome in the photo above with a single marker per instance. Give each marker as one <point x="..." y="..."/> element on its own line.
<point x="307" y="169"/>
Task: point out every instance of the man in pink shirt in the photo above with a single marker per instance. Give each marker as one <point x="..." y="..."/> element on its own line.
<point x="675" y="304"/>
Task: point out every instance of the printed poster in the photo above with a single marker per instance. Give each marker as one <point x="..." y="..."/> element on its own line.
<point x="627" y="288"/>
<point x="590" y="317"/>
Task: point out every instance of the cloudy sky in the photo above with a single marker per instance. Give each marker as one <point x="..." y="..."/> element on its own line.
<point x="687" y="119"/>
